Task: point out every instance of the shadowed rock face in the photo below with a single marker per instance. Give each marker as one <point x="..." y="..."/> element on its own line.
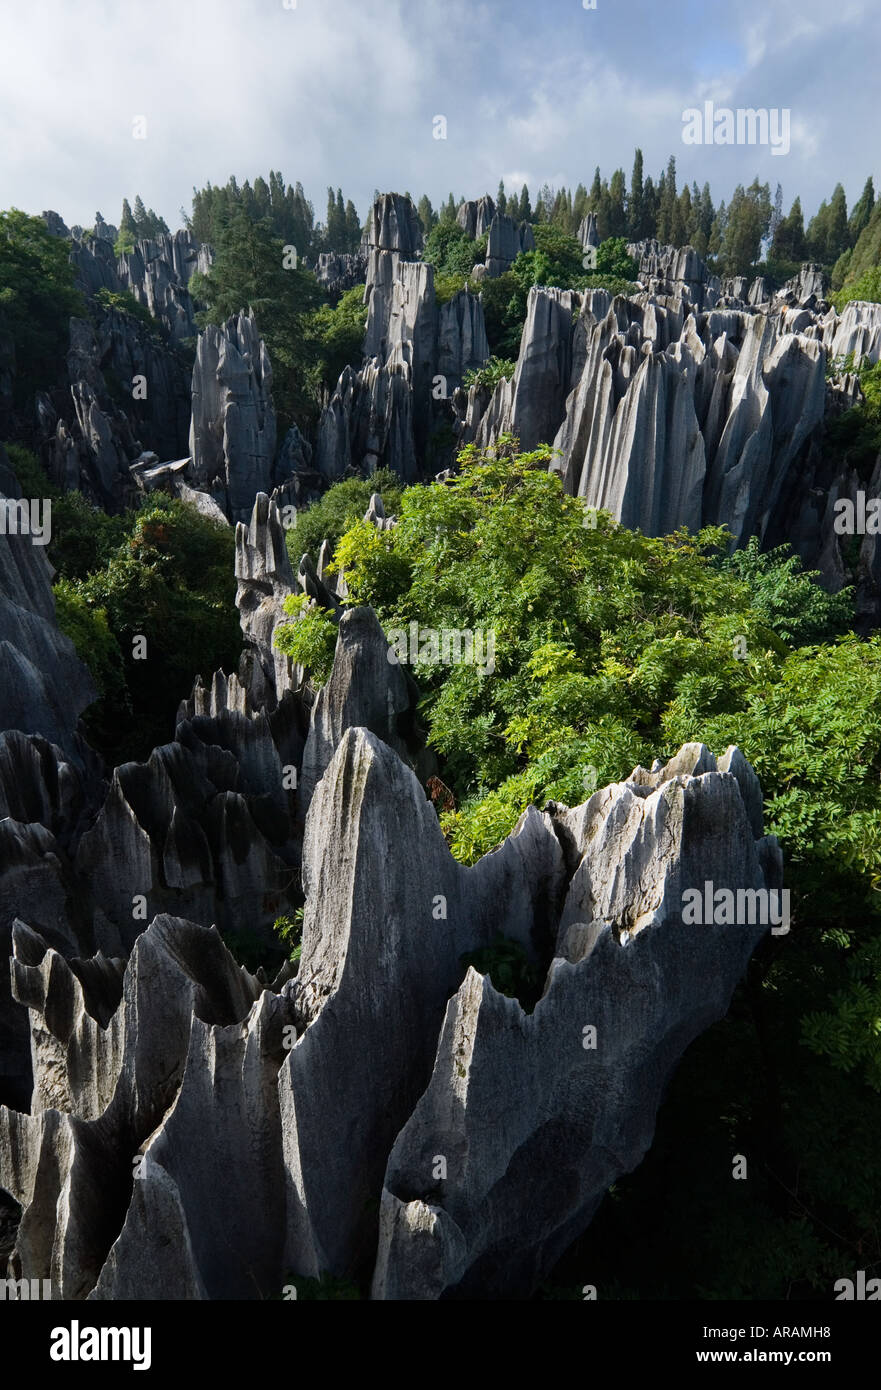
<point x="44" y="687"/>
<point x="204" y="828"/>
<point x="232" y="433"/>
<point x="383" y="416"/>
<point x="157" y="272"/>
<point x="271" y="1119"/>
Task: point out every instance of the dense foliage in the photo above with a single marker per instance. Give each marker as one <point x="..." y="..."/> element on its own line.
<point x="855" y="436"/>
<point x="37" y="300"/>
<point x="142" y="224"/>
<point x="252" y="270"/>
<point x="163" y="572"/>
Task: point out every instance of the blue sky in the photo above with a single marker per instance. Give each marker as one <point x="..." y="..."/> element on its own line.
<point x="345" y="92"/>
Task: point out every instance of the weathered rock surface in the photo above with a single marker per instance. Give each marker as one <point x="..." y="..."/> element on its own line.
<point x="44" y="687"/>
<point x="532" y="403"/>
<point x="212" y="1133"/>
<point x="157" y="272"/>
<point x="384" y="415"/>
<point x="232" y="433"/>
<point x="506" y="241"/>
<point x="338" y="273"/>
<point x="475" y="216"/>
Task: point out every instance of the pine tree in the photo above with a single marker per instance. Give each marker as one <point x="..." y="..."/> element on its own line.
<point x="501" y="200"/>
<point x="681" y="217"/>
<point x="817" y="232"/>
<point x="580" y="206"/>
<point x="524" y="211"/>
<point x="261" y="196"/>
<point x="748" y="218"/>
<point x="126" y="221"/>
<point x="717" y="231"/>
<point x="649" y="210"/>
<point x="667" y="203"/>
<point x="708" y="214"/>
<point x="837" y="236"/>
<point x="617" y="211"/>
<point x="425" y="213"/>
<point x="140" y="217"/>
<point x="156" y="224"/>
<point x="788" y="243"/>
<point x="862" y="211"/>
<point x="635" y="203"/>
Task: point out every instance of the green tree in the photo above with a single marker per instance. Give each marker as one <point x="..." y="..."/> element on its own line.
<point x="667" y="203"/>
<point x="862" y="212"/>
<point x="867" y="251"/>
<point x="748" y="216"/>
<point x="426" y="214"/>
<point x="635" y="206"/>
<point x="788" y="243"/>
<point x="617" y="213"/>
<point x="37" y="301"/>
<point x="827" y="234"/>
<point x="249" y="272"/>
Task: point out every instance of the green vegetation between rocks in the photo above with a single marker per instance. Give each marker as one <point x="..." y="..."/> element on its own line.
<point x="163" y="571"/>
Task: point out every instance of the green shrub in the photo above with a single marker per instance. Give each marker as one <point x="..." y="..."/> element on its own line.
<point x="125" y="303"/>
<point x="290" y="932"/>
<point x="37" y="300"/>
<point x="340" y="507"/>
<point x="338" y="334"/>
<point x="490" y="374"/>
<point x="311" y="640"/>
<point x="867" y="287"/>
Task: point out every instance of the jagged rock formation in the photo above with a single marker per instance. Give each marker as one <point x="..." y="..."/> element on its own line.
<point x="338" y="273"/>
<point x="157" y="272"/>
<point x="44" y="687"/>
<point x="807" y="289"/>
<point x="365" y="690"/>
<point x="587" y="232"/>
<point x="857" y="330"/>
<point x="232" y="432"/>
<point x="475" y="216"/>
<point x="268" y="1118"/>
<point x="126" y="386"/>
<point x="675" y="272"/>
<point x="506" y="241"/>
<point x="703" y="430"/>
<point x="462" y="344"/>
<point x="384" y="415"/>
<point x="206" y="827"/>
<point x="532" y="402"/>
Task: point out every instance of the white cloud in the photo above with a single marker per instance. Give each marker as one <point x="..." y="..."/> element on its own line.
<point x="344" y="91"/>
